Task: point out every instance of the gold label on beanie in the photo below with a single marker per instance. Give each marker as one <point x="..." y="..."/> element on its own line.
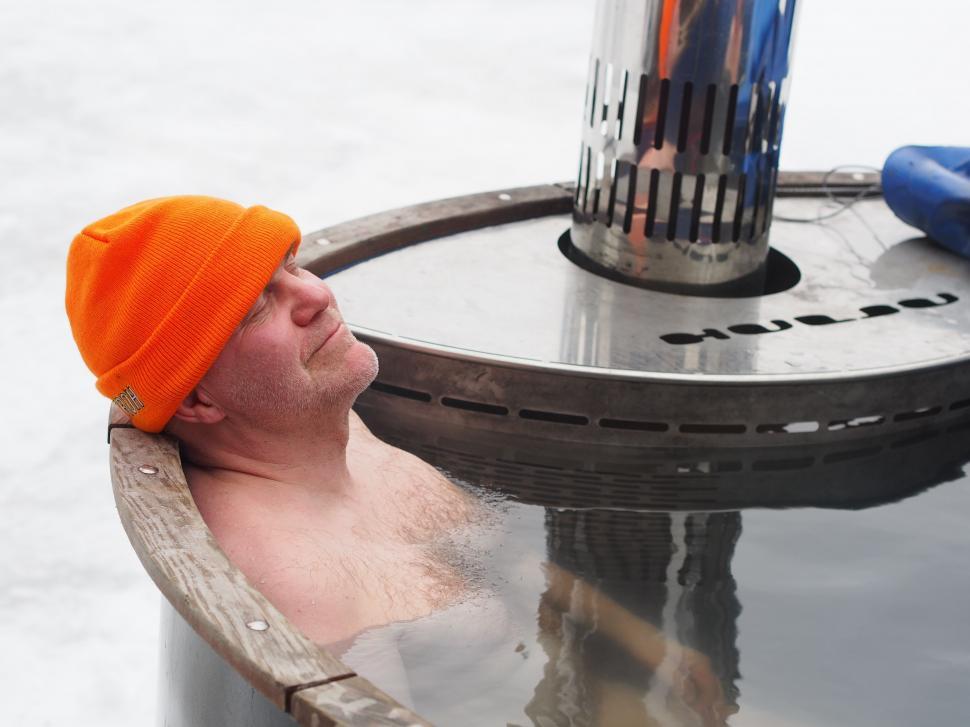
<point x="129" y="401"/>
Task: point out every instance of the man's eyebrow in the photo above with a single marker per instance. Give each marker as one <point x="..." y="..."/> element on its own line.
<point x="247" y="319"/>
<point x="289" y="257"/>
<point x="254" y="308"/>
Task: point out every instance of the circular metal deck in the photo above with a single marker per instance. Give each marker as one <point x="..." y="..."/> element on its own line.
<point x="494" y="329"/>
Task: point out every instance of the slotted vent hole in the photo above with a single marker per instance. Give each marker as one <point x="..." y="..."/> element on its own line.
<point x="634" y="425"/>
<point x="695" y="218"/>
<point x="729" y="120"/>
<point x="708" y="118"/>
<point x="592" y="103"/>
<point x="622" y="105"/>
<point x="611" y="208"/>
<point x="553" y="416"/>
<point x="773" y="119"/>
<point x="922" y="413"/>
<point x="658" y="138"/>
<point x="674" y="211"/>
<point x="607" y="97"/>
<point x="631" y="195"/>
<point x="739" y="208"/>
<point x="857" y="422"/>
<point x="789" y="428"/>
<point x="401" y="391"/>
<point x="641" y="99"/>
<point x="719" y="208"/>
<point x="685" y="104"/>
<point x="652" y="203"/>
<point x="754" y="119"/>
<point x="474" y="406"/>
<point x="713" y="428"/>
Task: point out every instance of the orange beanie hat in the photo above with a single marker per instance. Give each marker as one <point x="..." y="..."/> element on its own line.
<point x="155" y="291"/>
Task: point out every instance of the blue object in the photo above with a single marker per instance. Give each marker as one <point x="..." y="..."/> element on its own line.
<point x="929" y="187"/>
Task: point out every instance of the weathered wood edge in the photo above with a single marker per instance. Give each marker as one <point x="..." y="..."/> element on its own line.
<point x="181" y="556"/>
<point x="331" y="248"/>
<point x="352" y="702"/>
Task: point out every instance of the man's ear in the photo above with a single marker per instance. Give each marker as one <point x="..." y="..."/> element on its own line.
<point x="199" y="408"/>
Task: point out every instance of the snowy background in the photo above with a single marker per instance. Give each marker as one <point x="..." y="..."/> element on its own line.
<point x="326" y="111"/>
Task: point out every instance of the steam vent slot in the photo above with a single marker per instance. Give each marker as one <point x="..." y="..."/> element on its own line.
<point x="682" y="126"/>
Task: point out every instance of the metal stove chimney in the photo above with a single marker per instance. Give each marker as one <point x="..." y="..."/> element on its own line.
<point x="681" y="132"/>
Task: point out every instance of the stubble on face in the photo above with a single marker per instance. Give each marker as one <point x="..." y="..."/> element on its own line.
<point x="327" y="384"/>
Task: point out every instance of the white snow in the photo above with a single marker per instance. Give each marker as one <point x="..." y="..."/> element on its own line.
<point x="327" y="111"/>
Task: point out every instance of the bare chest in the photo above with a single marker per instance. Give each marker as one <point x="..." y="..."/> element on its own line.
<point x="338" y="585"/>
<point x="408" y="501"/>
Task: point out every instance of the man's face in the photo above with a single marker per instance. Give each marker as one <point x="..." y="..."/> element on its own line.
<point x="291" y="355"/>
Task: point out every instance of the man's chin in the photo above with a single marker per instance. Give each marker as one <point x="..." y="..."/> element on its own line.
<point x="369" y="364"/>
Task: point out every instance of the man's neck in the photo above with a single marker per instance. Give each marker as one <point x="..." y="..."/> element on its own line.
<point x="308" y="457"/>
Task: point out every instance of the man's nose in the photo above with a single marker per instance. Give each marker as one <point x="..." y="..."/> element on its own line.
<point x="311" y="298"/>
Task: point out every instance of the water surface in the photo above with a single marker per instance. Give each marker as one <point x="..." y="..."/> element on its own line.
<point x="853" y="613"/>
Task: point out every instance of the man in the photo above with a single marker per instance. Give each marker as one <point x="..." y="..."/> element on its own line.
<point x="195" y="319"/>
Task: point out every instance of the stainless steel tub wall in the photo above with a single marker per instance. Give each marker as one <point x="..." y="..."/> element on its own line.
<point x="196" y="686"/>
<point x="682" y="126"/>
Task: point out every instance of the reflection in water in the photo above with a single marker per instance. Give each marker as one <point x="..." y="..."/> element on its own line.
<point x="659" y="641"/>
<point x="586" y="615"/>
